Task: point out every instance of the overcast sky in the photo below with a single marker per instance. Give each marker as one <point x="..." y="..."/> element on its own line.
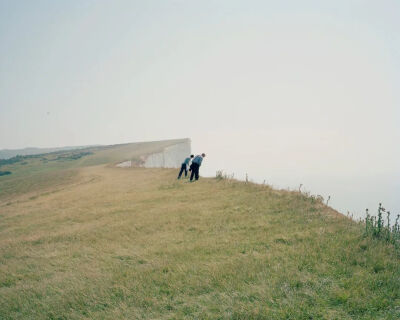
<point x="303" y="83"/>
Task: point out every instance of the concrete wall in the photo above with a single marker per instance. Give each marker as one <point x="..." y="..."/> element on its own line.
<point x="170" y="157"/>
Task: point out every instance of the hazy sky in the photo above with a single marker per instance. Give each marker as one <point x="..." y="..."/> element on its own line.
<point x="291" y="84"/>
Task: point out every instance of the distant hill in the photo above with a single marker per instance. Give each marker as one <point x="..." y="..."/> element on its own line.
<point x="9" y="153"/>
<point x="28" y="173"/>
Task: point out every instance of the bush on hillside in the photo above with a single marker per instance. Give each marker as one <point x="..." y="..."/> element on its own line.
<point x="11" y="160"/>
<point x="375" y="227"/>
<point x="71" y="156"/>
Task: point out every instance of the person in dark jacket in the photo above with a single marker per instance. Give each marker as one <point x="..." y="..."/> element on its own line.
<point x="184" y="166"/>
<point x="196" y="163"/>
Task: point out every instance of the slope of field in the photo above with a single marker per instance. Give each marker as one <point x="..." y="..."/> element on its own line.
<point x="32" y="174"/>
<point x="137" y="244"/>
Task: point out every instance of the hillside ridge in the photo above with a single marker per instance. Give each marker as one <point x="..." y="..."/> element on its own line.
<point x="135" y="243"/>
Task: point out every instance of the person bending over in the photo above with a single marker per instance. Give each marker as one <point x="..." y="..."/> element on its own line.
<point x="184" y="166"/>
<point x="196" y="163"/>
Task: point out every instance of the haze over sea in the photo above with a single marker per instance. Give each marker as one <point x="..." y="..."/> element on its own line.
<point x="353" y="183"/>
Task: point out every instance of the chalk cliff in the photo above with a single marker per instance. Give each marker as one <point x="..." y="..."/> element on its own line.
<point x="169" y="157"/>
<point x="168" y="154"/>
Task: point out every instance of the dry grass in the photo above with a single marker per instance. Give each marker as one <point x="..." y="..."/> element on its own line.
<point x="137" y="244"/>
<point x="37" y="173"/>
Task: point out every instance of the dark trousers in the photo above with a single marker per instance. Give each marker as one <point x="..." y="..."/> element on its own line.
<point x="183" y="168"/>
<point x="195" y="171"/>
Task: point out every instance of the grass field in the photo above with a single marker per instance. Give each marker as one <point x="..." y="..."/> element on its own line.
<point x="34" y="173"/>
<point x="112" y="243"/>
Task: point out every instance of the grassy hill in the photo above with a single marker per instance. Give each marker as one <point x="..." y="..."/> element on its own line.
<point x="32" y="173"/>
<point x="100" y="242"/>
<point x="9" y="153"/>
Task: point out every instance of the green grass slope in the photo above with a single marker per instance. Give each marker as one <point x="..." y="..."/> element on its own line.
<point x="36" y="172"/>
<point x="135" y="243"/>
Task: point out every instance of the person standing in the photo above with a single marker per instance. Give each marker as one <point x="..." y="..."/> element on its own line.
<point x="196" y="163"/>
<point x="184" y="166"/>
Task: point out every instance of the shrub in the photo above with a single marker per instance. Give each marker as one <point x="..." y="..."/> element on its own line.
<point x="221" y="175"/>
<point x="11" y="160"/>
<point x="375" y="226"/>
